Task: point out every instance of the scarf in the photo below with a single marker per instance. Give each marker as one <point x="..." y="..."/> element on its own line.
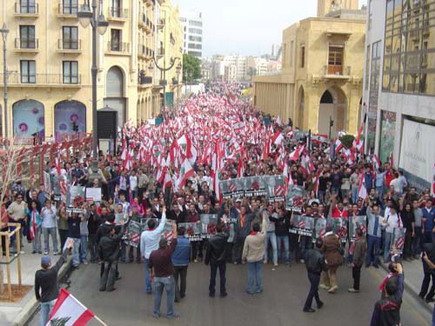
<point x="253" y="233"/>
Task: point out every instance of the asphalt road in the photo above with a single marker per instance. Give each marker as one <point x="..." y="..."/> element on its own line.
<point x="281" y="302"/>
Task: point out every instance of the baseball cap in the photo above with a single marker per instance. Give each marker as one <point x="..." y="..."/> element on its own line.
<point x="45" y="260"/>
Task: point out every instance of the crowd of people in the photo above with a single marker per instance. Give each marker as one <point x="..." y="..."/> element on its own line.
<point x="171" y="172"/>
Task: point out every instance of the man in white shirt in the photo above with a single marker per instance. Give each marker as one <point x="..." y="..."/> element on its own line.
<point x="49" y="223"/>
<point x="391" y="222"/>
<point x="149" y="241"/>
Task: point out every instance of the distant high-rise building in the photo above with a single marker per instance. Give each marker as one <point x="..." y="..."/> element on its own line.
<point x="192" y="29"/>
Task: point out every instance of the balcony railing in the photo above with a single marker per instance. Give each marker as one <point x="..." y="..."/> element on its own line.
<point x="68" y="11"/>
<point x="336" y="71"/>
<point x="69" y="45"/>
<point x="118" y="47"/>
<point x="145" y="80"/>
<point x="26" y="9"/>
<point x="29" y="44"/>
<point x="117" y="13"/>
<point x="42" y="80"/>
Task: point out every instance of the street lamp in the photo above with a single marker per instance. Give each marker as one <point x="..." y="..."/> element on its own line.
<point x="4" y="30"/>
<point x="163" y="71"/>
<point x="95" y="18"/>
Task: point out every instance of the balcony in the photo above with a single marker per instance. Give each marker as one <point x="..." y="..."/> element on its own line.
<point x="118" y="48"/>
<point x="117" y="14"/>
<point x="42" y="80"/>
<point x="160" y="52"/>
<point x="67" y="12"/>
<point x="69" y="46"/>
<point x="27" y="11"/>
<point x="144" y="81"/>
<point x="336" y="72"/>
<point x="25" y="45"/>
<point x="161" y="23"/>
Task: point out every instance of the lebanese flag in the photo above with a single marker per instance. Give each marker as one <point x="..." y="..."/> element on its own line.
<point x="69" y="311"/>
<point x="240" y="167"/>
<point x="186" y="172"/>
<point x="294" y="156"/>
<point x="277" y="138"/>
<point x="391" y="160"/>
<point x="362" y="191"/>
<point x="338" y="146"/>
<point x="376" y="162"/>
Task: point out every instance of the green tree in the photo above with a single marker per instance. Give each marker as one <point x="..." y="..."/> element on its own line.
<point x="191" y="68"/>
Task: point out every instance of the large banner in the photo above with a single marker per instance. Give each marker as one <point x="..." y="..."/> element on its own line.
<point x="271" y="186"/>
<point x="356" y="222"/>
<point x="75" y="199"/>
<point x="417" y="154"/>
<point x="295" y="198"/>
<point x="193" y="230"/>
<point x="302" y="225"/>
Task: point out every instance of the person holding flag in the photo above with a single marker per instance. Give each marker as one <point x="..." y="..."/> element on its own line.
<point x="46" y="283"/>
<point x="35" y="222"/>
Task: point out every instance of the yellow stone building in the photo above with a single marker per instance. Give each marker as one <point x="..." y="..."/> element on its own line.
<point x="322" y="71"/>
<point x="49" y="56"/>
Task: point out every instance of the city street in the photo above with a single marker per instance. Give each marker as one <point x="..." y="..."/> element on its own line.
<point x="280" y="304"/>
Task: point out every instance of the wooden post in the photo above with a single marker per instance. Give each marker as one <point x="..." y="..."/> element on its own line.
<point x="18" y="237"/>
<point x="8" y="269"/>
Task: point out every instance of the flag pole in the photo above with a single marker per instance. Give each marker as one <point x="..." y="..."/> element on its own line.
<point x="100" y="321"/>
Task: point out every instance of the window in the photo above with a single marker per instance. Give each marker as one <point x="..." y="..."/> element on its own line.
<point x="195" y="23"/>
<point x="27" y="37"/>
<point x="335" y="60"/>
<point x="115" y="10"/>
<point x="302" y="56"/>
<point x="195" y="46"/>
<point x="195" y="31"/>
<point x="194" y="38"/>
<point x="367" y="72"/>
<point x="28" y="71"/>
<point x="70" y="7"/>
<point x="115" y="40"/>
<point x="292" y="45"/>
<point x="27" y="6"/>
<point x="70" y="72"/>
<point x="70" y="37"/>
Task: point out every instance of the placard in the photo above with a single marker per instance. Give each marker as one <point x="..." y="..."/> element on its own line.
<point x="302" y="225"/>
<point x="356" y="222"/>
<point x="208" y="224"/>
<point x="398" y="241"/>
<point x="75" y="199"/>
<point x="295" y="198"/>
<point x="193" y="230"/>
<point x="93" y="195"/>
<point x="339" y="227"/>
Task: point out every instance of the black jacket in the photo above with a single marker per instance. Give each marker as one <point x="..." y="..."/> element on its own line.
<point x="46" y="285"/>
<point x="429" y="249"/>
<point x="282" y="225"/>
<point x="315" y="261"/>
<point x="216" y="249"/>
<point x="109" y="247"/>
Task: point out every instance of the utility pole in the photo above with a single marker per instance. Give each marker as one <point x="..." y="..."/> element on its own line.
<point x="4" y="30"/>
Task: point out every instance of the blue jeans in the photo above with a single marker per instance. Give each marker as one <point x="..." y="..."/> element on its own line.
<point x="255" y="277"/>
<point x="283" y="239"/>
<point x="83" y="248"/>
<point x="36" y="242"/>
<point x="271" y="236"/>
<point x="387" y="245"/>
<point x="416" y="242"/>
<point x="47" y="232"/>
<point x="380" y="191"/>
<point x="148" y="286"/>
<point x="168" y="284"/>
<point x="76" y="252"/>
<point x="373" y="245"/>
<point x="355" y="191"/>
<point x="45" y="312"/>
<point x="314" y="279"/>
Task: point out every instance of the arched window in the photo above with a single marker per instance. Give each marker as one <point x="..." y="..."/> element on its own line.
<point x="327" y="98"/>
<point x="28" y="118"/>
<point x="69" y="118"/>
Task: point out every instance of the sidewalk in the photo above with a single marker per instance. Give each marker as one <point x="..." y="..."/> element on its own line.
<point x="18" y="313"/>
<point x="413" y="271"/>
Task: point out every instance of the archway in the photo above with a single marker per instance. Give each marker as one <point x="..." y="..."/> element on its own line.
<point x="332" y="107"/>
<point x="69" y="119"/>
<point x="301" y="108"/>
<point x="115" y="90"/>
<point x="28" y="119"/>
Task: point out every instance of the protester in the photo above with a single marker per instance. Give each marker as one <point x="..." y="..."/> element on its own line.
<point x="149" y="241"/>
<point x="315" y="264"/>
<point x="334" y="258"/>
<point x="253" y="253"/>
<point x="162" y="273"/>
<point x="180" y="260"/>
<point x="49" y="223"/>
<point x="46" y="284"/>
<point x="109" y="246"/>
<point x="359" y="250"/>
<point x="35" y="222"/>
<point x="428" y="259"/>
<point x="17" y="214"/>
<point x="216" y="257"/>
<point x="374" y="236"/>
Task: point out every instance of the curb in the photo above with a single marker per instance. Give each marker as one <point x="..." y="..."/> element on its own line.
<point x="411" y="291"/>
<point x="32" y="305"/>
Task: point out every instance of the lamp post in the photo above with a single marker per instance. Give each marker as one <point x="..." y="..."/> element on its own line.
<point x="163" y="71"/>
<point x="4" y="30"/>
<point x="96" y="18"/>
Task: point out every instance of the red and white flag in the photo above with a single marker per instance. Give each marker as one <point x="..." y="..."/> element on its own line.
<point x="69" y="311"/>
<point x="294" y="156"/>
<point x="277" y="138"/>
<point x="376" y="162"/>
<point x="362" y="191"/>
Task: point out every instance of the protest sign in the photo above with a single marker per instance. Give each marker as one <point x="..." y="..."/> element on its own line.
<point x="295" y="198"/>
<point x="208" y="224"/>
<point x="356" y="222"/>
<point x="75" y="199"/>
<point x="134" y="230"/>
<point x="339" y="227"/>
<point x="193" y="230"/>
<point x="302" y="225"/>
<point x="398" y="241"/>
<point x="319" y="228"/>
<point x="275" y="186"/>
<point x="255" y="186"/>
<point x="93" y="195"/>
<point x="47" y="183"/>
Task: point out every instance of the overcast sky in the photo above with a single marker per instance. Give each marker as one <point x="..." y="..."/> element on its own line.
<point x="247" y="27"/>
